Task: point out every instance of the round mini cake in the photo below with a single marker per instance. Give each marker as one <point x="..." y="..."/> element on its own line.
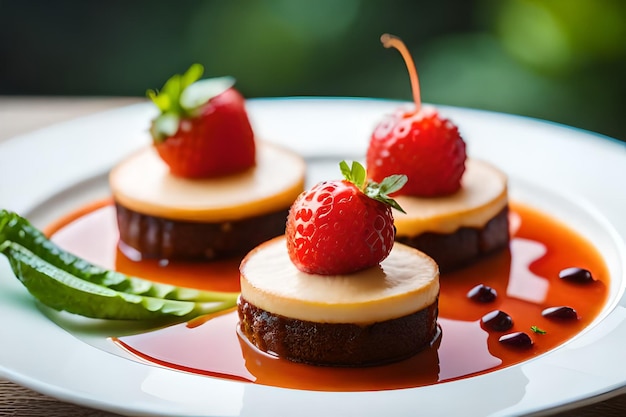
<point x="164" y="216"/>
<point x="462" y="227"/>
<point x="374" y="316"/>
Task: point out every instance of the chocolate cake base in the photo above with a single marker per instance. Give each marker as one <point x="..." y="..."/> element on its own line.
<point x="466" y="245"/>
<point x="161" y="238"/>
<point x="338" y="344"/>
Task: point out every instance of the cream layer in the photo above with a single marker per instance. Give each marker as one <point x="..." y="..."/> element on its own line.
<point x="483" y="194"/>
<point x="406" y="282"/>
<point x="144" y="184"/>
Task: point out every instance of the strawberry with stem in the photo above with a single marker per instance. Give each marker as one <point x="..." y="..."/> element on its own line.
<point x="203" y="129"/>
<point x="419" y="143"/>
<point x="343" y="226"/>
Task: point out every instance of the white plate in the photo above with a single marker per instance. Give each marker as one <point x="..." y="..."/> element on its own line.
<point x="573" y="174"/>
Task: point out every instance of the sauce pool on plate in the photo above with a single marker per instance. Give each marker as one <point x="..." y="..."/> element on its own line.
<point x="524" y="279"/>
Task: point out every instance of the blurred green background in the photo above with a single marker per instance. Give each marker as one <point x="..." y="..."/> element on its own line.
<point x="558" y="60"/>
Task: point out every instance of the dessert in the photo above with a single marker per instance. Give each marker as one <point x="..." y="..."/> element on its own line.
<point x="205" y="189"/>
<point x="458" y="229"/>
<point x="378" y="305"/>
<point x="456" y="207"/>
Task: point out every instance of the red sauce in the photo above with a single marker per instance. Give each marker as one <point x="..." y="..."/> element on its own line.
<point x="525" y="278"/>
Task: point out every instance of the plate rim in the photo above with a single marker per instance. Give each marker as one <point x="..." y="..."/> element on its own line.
<point x="256" y="105"/>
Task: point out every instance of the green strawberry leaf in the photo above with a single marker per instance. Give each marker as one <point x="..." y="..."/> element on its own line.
<point x="357" y="175"/>
<point x="193" y="74"/>
<point x="200" y="92"/>
<point x="392" y="183"/>
<point x="164" y="126"/>
<point x="162" y="101"/>
<point x="181" y="97"/>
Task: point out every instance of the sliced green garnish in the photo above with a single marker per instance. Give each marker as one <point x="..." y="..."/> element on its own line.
<point x="357" y="175"/>
<point x="64" y="281"/>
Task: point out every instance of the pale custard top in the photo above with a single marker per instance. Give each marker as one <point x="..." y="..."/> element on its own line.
<point x="406" y="282"/>
<point x="482" y="196"/>
<point x="144" y="184"/>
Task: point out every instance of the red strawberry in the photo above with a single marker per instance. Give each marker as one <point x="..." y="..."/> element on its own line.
<point x="420" y="143"/>
<point x="203" y="129"/>
<point x="343" y="226"/>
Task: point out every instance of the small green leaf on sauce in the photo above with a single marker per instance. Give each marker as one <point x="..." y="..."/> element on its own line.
<point x="537" y="330"/>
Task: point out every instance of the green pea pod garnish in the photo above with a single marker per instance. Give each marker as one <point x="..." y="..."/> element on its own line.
<point x="66" y="282"/>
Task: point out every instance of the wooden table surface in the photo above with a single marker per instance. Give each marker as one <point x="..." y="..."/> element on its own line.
<point x="20" y="115"/>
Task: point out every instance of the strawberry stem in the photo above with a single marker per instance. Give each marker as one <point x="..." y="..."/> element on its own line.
<point x="391" y="41"/>
<point x="357" y="175"/>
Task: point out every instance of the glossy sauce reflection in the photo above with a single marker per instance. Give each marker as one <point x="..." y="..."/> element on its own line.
<point x="525" y="278"/>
